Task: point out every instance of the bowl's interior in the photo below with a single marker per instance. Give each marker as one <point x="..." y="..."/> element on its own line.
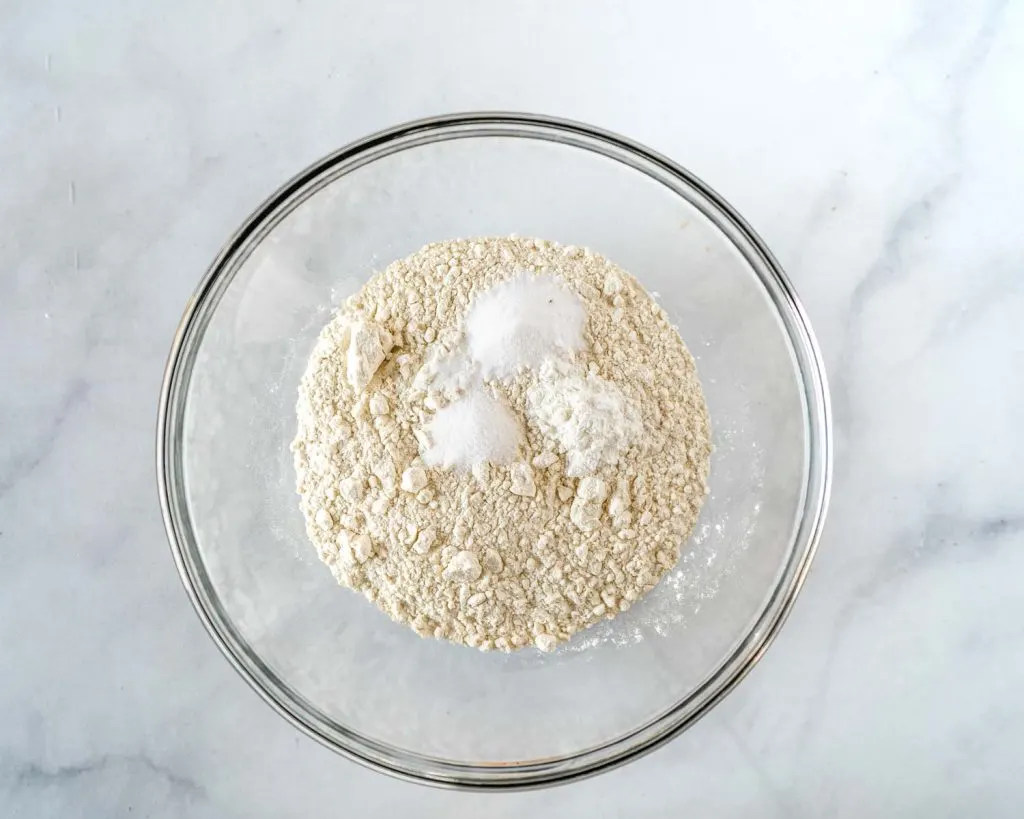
<point x="333" y="654"/>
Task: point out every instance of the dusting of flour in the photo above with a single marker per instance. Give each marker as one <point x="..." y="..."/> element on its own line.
<point x="509" y="482"/>
<point x="589" y="417"/>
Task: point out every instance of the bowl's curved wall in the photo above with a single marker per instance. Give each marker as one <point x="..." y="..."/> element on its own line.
<point x="332" y="661"/>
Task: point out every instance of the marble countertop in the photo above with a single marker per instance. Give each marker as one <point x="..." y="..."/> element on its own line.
<point x="877" y="149"/>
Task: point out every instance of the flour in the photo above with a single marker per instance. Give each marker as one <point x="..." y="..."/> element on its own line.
<point x="589" y="418"/>
<point x="569" y="519"/>
<point x="367" y="346"/>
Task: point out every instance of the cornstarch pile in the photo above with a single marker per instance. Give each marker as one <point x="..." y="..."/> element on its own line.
<point x="501" y="442"/>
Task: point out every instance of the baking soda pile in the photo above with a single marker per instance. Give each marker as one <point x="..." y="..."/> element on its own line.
<point x="500" y="442"/>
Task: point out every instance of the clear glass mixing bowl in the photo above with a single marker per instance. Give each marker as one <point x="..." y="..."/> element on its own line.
<point x="328" y="660"/>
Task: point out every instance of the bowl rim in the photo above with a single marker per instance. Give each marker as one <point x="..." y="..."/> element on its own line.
<point x="746" y="652"/>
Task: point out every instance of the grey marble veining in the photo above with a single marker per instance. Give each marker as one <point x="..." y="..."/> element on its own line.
<point x="876" y="147"/>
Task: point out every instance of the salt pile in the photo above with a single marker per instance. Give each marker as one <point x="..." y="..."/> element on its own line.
<point x="474" y="429"/>
<point x="521" y="322"/>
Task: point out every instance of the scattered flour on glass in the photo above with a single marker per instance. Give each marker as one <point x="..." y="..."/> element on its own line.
<point x="501" y="442"/>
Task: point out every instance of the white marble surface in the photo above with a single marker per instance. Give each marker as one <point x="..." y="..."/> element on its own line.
<point x="877" y="148"/>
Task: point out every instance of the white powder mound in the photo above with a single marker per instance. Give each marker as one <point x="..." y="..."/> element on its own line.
<point x="589" y="417"/>
<point x="473" y="430"/>
<point x="521" y="322"/>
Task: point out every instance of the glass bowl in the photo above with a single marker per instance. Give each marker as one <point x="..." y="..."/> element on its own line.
<point x="329" y="661"/>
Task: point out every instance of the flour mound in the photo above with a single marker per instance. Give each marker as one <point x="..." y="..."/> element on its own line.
<point x="590" y="418"/>
<point x="501" y="442"/>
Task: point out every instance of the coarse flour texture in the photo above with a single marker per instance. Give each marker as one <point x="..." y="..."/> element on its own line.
<point x="600" y="453"/>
